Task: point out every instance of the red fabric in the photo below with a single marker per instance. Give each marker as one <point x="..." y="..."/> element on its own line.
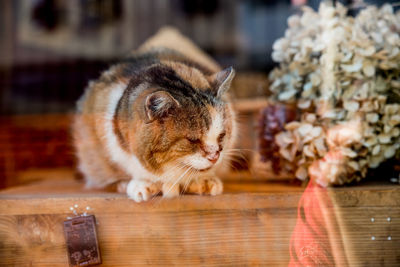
<point x="316" y="226"/>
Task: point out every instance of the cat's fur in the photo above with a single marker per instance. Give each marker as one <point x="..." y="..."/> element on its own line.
<point x="158" y="122"/>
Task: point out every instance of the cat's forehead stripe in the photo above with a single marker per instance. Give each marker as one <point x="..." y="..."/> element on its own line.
<point x="188" y="73"/>
<point x="167" y="78"/>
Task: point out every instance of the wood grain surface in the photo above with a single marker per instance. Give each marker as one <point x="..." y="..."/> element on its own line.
<point x="250" y="225"/>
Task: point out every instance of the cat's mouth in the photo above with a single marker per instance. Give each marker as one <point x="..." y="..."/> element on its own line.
<point x="199" y="169"/>
<point x="198" y="163"/>
<point x="204" y="169"/>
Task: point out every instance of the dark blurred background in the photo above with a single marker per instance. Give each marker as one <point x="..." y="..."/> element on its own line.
<point x="50" y="48"/>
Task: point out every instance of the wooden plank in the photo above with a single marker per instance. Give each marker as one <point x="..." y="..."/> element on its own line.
<point x="251" y="224"/>
<point x="119" y="203"/>
<point x="165" y="238"/>
<point x="370" y="243"/>
<point x="191" y="230"/>
<point x="63" y="182"/>
<point x="368" y="193"/>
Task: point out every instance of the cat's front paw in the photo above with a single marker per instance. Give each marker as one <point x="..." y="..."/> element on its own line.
<point x="206" y="185"/>
<point x="140" y="190"/>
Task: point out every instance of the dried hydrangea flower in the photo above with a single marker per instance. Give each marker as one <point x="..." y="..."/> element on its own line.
<point x="343" y="73"/>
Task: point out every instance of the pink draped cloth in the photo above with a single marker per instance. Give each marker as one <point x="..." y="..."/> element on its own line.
<point x="316" y="239"/>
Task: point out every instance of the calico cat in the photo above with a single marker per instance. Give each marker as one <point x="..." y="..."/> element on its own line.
<point x="157" y="122"/>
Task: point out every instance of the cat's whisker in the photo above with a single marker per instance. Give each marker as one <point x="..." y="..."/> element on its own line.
<point x="171" y="174"/>
<point x="233" y="167"/>
<point x="230" y="164"/>
<point x="176" y="170"/>
<point x="161" y="198"/>
<point x="177" y="181"/>
<point x="233" y="153"/>
<point x="241" y="149"/>
<point x="238" y="152"/>
<point x="188" y="181"/>
<point x="235" y="150"/>
<point x="168" y="177"/>
<point x="188" y="177"/>
<point x="235" y="156"/>
<point x="193" y="175"/>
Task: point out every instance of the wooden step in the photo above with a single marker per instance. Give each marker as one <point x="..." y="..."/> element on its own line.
<point x="250" y="224"/>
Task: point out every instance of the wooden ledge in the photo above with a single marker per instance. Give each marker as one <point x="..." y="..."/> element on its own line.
<point x="250" y="224"/>
<point x="237" y="195"/>
<point x="58" y="195"/>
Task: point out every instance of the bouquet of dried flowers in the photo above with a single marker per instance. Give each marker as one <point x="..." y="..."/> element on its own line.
<point x="343" y="74"/>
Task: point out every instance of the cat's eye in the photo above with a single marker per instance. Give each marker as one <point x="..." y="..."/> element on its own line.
<point x="193" y="140"/>
<point x="221" y="137"/>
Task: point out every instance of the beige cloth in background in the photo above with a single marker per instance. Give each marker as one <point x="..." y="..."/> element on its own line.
<point x="171" y="38"/>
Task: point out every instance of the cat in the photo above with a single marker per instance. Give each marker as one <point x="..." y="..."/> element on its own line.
<point x="158" y="122"/>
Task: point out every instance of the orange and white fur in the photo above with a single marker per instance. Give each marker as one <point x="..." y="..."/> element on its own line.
<point x="158" y="122"/>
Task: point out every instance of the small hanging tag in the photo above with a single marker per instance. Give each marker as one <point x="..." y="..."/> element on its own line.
<point x="81" y="238"/>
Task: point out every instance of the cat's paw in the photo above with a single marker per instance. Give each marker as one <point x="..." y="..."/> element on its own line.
<point x="122" y="186"/>
<point x="140" y="190"/>
<point x="170" y="190"/>
<point x="206" y="185"/>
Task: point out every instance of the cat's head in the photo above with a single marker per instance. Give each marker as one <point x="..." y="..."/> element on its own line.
<point x="184" y="119"/>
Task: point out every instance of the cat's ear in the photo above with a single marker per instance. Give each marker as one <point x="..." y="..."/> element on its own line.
<point x="158" y="104"/>
<point x="222" y="80"/>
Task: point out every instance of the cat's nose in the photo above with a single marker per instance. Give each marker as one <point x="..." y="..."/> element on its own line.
<point x="213" y="157"/>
